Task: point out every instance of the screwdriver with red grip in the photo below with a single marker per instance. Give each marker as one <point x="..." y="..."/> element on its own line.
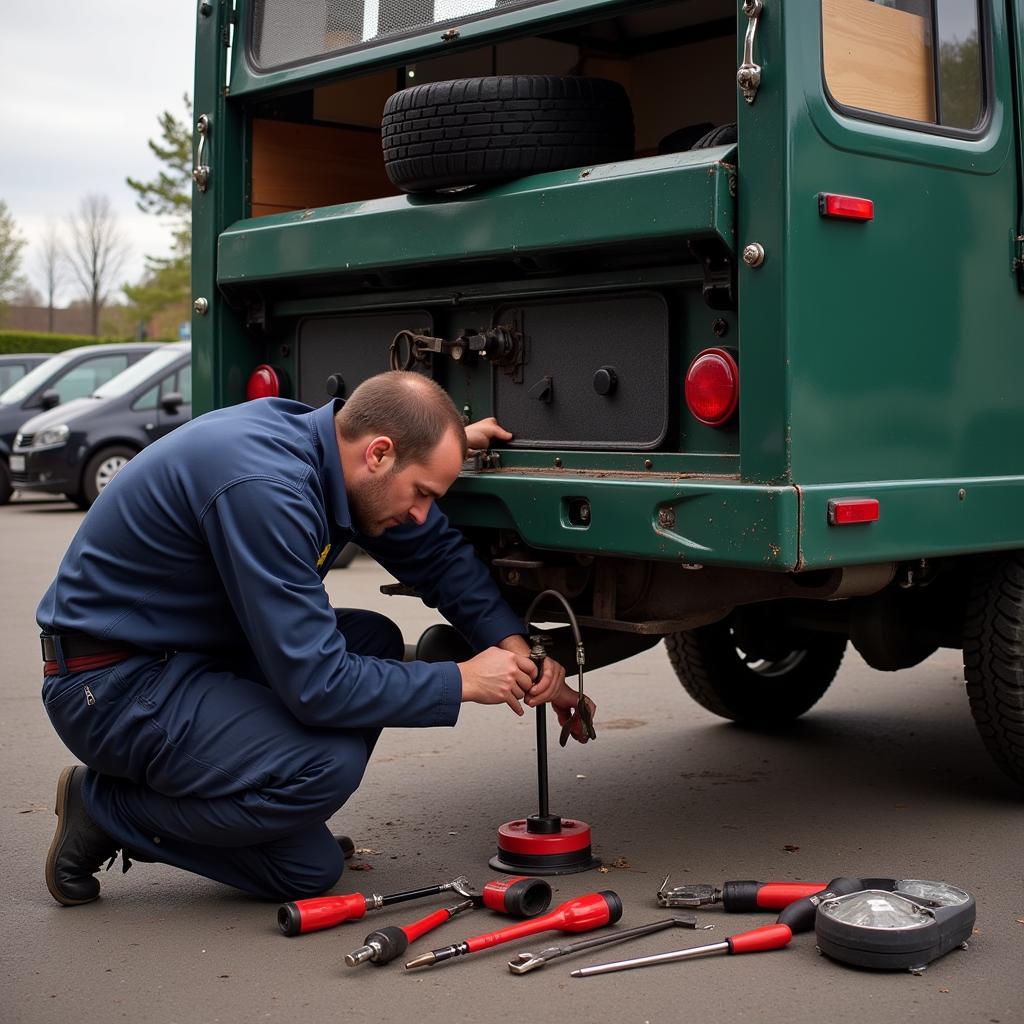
<point x="386" y="944"/>
<point x="519" y="897"/>
<point x="757" y="940"/>
<point x="583" y="914"/>
<point x="738" y="897"/>
<point x="797" y="916"/>
<point x="311" y="915"/>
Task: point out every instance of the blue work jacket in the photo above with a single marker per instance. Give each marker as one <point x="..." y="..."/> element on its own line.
<point x="216" y="539"/>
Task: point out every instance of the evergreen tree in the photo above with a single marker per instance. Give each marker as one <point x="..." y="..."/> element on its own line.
<point x="167" y="281"/>
<point x="11" y="244"/>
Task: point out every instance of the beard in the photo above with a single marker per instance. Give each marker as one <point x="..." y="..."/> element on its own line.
<point x="368" y="503"/>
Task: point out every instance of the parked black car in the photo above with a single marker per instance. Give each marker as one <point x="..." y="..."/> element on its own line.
<point x="73" y="373"/>
<point x="14" y="366"/>
<point x="78" y="448"/>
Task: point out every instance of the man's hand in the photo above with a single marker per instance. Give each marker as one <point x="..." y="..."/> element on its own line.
<point x="495" y="676"/>
<point x="480" y="434"/>
<point x="552" y="680"/>
<point x="552" y="688"/>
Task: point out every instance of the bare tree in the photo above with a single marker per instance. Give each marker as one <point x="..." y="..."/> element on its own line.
<point x="50" y="264"/>
<point x="96" y="253"/>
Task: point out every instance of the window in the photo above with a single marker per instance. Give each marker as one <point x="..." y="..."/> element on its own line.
<point x="147" y="400"/>
<point x="286" y="31"/>
<point x="919" y="60"/>
<point x="84" y="378"/>
<point x="184" y="387"/>
<point x="10" y="373"/>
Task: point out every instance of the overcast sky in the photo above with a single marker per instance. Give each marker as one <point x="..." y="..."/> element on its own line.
<point x="81" y="87"/>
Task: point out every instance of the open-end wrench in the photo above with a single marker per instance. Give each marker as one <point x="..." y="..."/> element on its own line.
<point x="525" y="962"/>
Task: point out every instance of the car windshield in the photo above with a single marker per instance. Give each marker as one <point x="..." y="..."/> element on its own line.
<point x="124" y="382"/>
<point x="21" y="389"/>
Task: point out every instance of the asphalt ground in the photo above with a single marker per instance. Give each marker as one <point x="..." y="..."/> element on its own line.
<point x="885" y="777"/>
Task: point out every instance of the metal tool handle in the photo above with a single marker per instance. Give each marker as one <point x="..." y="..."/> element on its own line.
<point x="748" y="77"/>
<point x="525" y="962"/>
<point x="201" y="171"/>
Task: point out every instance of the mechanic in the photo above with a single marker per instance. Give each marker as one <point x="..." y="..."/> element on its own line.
<point x="224" y="711"/>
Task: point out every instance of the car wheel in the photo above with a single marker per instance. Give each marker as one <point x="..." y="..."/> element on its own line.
<point x="763" y="689"/>
<point x="994" y="660"/>
<point x="102" y="468"/>
<point x="502" y="127"/>
<point x="6" y="490"/>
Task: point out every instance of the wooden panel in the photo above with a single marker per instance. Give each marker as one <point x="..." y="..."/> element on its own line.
<point x="878" y="58"/>
<point x="358" y="101"/>
<point x="297" y="166"/>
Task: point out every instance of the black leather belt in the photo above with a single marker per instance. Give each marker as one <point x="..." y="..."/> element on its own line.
<point x="78" y="645"/>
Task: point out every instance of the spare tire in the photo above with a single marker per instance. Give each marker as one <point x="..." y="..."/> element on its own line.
<point x="473" y="131"/>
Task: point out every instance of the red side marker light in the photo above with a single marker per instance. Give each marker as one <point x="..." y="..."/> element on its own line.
<point x="712" y="387"/>
<point x="844" y="511"/>
<point x="845" y="207"/>
<point x="265" y="382"/>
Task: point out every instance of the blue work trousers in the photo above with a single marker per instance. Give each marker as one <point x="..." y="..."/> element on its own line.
<point x="194" y="765"/>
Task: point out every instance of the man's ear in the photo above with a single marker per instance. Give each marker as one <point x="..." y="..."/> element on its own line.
<point x="380" y="454"/>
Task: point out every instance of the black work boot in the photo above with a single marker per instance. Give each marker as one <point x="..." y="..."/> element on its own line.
<point x="79" y="845"/>
<point x="348" y="848"/>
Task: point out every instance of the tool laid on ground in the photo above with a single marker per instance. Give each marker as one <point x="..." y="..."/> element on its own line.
<point x="546" y="843"/>
<point x="738" y="897"/>
<point x="526" y="962"/>
<point x="769" y="936"/>
<point x="519" y="897"/>
<point x="583" y="914"/>
<point x="311" y="915"/>
<point x="387" y="944"/>
<point x="867" y="922"/>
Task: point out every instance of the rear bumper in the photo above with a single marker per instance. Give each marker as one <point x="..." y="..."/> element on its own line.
<point x="718" y="521"/>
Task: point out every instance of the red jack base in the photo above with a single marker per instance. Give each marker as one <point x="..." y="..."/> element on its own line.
<point x="553" y="846"/>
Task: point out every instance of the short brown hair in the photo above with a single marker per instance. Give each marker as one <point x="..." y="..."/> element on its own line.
<point x="411" y="409"/>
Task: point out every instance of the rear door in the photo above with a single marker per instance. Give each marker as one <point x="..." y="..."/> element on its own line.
<point x="1016" y="19"/>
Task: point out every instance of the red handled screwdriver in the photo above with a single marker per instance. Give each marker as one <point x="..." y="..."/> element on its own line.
<point x="327" y="911"/>
<point x="757" y="940"/>
<point x="738" y="897"/>
<point x="520" y="897"/>
<point x="582" y="914"/>
<point x="385" y="944"/>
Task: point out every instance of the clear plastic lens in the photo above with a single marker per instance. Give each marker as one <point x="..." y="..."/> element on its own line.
<point x="52" y="436"/>
<point x="937" y="893"/>
<point x="876" y="909"/>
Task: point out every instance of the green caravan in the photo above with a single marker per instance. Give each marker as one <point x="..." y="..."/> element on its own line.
<point x="744" y="278"/>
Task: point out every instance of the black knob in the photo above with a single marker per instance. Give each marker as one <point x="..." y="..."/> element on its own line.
<point x="336" y="385"/>
<point x="606" y="380"/>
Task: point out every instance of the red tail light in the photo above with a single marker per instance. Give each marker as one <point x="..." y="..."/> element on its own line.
<point x="265" y="382"/>
<point x="713" y="387"/>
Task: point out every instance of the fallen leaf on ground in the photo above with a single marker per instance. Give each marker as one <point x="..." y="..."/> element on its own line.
<point x="581" y="776"/>
<point x="790" y="848"/>
<point x="360" y="866"/>
<point x="943" y="989"/>
<point x="366" y="851"/>
<point x="621" y="863"/>
<point x="604" y="869"/>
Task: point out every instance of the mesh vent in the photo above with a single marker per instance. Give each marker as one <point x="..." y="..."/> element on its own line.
<point x="292" y="31"/>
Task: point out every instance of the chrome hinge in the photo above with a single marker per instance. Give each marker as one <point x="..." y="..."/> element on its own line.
<point x="748" y="78"/>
